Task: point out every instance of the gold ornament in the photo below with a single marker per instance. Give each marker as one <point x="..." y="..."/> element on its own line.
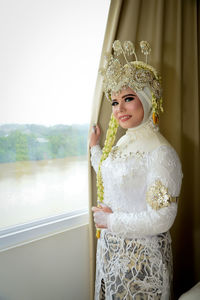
<point x="158" y="196"/>
<point x="134" y="74"/>
<point x="145" y="48"/>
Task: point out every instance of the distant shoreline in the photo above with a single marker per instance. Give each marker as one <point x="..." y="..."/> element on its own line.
<point x="20" y="168"/>
<point x="74" y="157"/>
<point x="32" y="142"/>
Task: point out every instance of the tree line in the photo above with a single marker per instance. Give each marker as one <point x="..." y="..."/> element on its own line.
<point x="37" y="142"/>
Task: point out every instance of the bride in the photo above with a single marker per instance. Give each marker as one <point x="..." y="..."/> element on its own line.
<point x="138" y="183"/>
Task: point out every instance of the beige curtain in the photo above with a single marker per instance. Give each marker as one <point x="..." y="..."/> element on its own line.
<point x="172" y="28"/>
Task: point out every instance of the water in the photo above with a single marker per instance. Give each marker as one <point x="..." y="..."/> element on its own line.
<point x="33" y="190"/>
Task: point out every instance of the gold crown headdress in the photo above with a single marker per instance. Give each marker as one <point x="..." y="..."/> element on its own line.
<point x="135" y="74"/>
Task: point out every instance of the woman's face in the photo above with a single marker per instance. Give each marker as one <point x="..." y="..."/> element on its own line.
<point x="127" y="108"/>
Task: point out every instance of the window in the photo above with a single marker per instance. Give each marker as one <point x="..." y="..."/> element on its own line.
<point x="49" y="59"/>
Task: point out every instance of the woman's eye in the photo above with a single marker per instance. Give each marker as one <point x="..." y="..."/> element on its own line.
<point x="129" y="99"/>
<point x="114" y="103"/>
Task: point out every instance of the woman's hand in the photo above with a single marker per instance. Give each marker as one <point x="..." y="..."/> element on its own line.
<point x="101" y="215"/>
<point x="95" y="135"/>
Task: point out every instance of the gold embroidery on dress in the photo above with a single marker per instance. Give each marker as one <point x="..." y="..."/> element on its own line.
<point x="117" y="154"/>
<point x="158" y="196"/>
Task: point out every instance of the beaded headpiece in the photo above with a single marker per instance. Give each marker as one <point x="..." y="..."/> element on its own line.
<point x="135" y="74"/>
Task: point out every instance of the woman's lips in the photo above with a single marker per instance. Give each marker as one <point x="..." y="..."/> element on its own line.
<point x="124" y="118"/>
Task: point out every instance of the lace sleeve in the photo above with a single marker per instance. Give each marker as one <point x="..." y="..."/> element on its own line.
<point x="145" y="223"/>
<point x="164" y="168"/>
<point x="95" y="156"/>
<point x="163" y="184"/>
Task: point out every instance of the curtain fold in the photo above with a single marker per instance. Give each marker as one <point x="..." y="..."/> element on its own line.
<point x="172" y="28"/>
<point x="111" y="28"/>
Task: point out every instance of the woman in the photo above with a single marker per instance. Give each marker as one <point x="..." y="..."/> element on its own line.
<point x="138" y="182"/>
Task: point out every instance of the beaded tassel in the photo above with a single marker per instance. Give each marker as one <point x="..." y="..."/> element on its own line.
<point x="110" y="139"/>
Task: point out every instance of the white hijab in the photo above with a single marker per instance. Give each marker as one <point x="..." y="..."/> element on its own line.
<point x="145" y="97"/>
<point x="146" y="136"/>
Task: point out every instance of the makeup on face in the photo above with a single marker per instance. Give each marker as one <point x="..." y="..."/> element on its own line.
<point x="127" y="108"/>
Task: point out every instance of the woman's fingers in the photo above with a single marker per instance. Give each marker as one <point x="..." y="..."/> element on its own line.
<point x="103" y="208"/>
<point x="97" y="130"/>
<point x="95" y="208"/>
<point x="100" y="226"/>
<point x="95" y="135"/>
<point x="106" y="208"/>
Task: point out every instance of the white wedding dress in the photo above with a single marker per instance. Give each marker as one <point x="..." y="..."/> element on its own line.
<point x="142" y="179"/>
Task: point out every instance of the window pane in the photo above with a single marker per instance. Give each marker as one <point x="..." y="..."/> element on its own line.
<point x="49" y="60"/>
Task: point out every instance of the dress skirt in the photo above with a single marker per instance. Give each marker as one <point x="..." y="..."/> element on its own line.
<point x="139" y="268"/>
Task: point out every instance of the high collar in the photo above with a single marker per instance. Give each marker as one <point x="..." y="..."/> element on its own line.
<point x="143" y="138"/>
<point x="143" y="126"/>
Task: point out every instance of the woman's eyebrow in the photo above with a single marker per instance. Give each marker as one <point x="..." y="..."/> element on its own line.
<point x="124" y="96"/>
<point x="128" y="95"/>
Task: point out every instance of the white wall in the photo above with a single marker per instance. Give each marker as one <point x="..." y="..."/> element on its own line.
<point x="53" y="268"/>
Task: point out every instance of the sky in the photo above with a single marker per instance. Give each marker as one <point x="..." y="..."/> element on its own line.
<point x="49" y="57"/>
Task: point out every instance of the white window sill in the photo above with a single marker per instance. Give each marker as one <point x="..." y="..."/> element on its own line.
<point x="26" y="233"/>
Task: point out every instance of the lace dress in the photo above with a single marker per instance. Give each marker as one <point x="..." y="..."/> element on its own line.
<point x="142" y="179"/>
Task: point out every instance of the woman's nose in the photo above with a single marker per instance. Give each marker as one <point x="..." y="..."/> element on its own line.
<point x="120" y="107"/>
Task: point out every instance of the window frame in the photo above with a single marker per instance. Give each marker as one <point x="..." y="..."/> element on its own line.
<point x="29" y="232"/>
